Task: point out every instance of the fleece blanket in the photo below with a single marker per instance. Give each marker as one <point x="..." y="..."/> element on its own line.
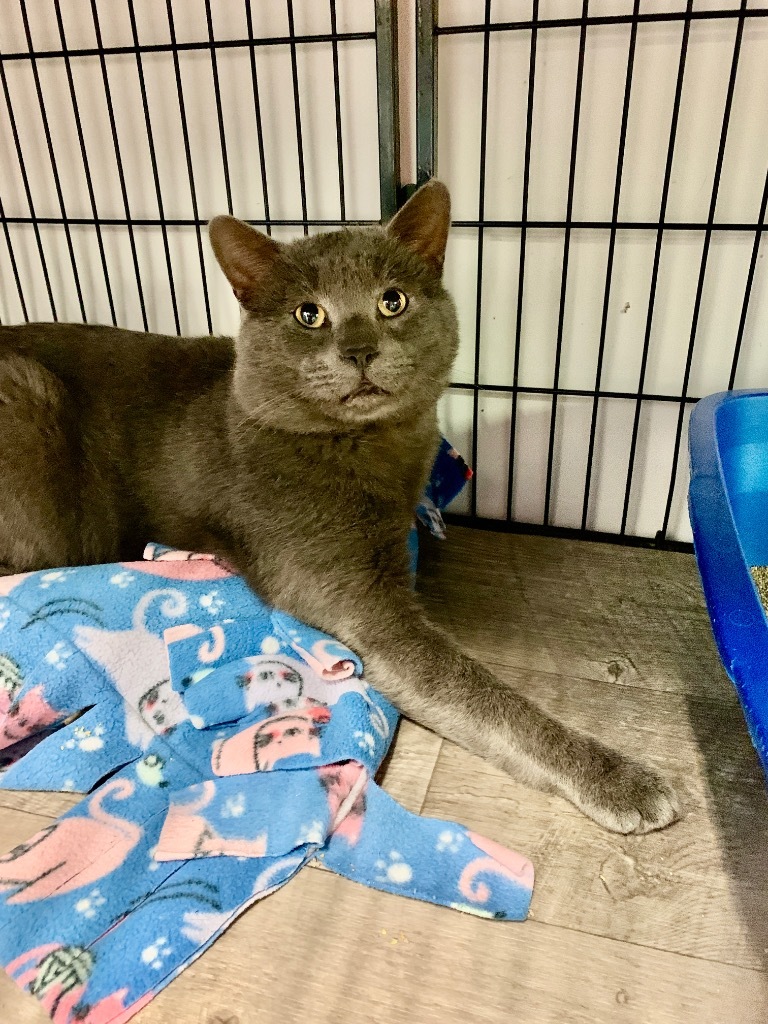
<point x="221" y="745"/>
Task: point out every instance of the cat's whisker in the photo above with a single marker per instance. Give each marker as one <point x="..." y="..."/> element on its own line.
<point x="267" y="406"/>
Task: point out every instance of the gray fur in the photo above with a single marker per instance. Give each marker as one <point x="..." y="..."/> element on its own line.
<point x="254" y="450"/>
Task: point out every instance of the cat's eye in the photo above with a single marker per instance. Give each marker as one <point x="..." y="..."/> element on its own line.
<point x="392" y="303"/>
<point x="309" y="314"/>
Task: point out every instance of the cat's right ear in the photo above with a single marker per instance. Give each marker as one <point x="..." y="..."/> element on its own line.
<point x="422" y="225"/>
<point x="248" y="258"/>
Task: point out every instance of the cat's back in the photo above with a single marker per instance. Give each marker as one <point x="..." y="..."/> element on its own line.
<point x="85" y="415"/>
<point x="90" y="358"/>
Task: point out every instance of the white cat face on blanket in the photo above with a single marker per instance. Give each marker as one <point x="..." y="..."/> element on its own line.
<point x="276" y="681"/>
<point x="283" y="682"/>
<point x="136" y="661"/>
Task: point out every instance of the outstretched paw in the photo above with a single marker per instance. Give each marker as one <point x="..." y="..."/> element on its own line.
<point x="627" y="797"/>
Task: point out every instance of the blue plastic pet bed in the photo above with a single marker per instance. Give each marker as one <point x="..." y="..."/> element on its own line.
<point x="728" y="501"/>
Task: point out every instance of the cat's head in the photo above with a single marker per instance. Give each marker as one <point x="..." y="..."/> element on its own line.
<point x="345" y="328"/>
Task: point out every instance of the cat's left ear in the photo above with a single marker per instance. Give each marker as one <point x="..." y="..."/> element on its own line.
<point x="423" y="223"/>
<point x="249" y="259"/>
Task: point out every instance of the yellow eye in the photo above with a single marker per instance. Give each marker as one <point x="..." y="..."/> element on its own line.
<point x="392" y="303"/>
<point x="309" y="314"/>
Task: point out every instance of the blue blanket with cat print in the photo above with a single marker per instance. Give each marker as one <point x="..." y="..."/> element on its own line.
<point x="223" y="745"/>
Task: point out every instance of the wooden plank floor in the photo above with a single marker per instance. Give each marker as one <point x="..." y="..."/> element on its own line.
<point x="670" y="928"/>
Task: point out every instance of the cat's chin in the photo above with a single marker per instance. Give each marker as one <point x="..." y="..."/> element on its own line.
<point x="365" y="390"/>
<point x="365" y="406"/>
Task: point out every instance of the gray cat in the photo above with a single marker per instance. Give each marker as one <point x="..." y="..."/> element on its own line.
<point x="297" y="453"/>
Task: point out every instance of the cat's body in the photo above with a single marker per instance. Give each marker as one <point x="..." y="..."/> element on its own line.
<point x="297" y="453"/>
<point x="177" y="462"/>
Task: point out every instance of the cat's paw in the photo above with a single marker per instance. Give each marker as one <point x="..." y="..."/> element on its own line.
<point x="627" y="797"/>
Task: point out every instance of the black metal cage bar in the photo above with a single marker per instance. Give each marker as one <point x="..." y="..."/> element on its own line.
<point x="430" y="33"/>
<point x="389" y="121"/>
<point x="383" y="35"/>
<point x="59" y="252"/>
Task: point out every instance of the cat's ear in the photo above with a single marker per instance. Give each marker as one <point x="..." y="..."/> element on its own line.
<point x="248" y="258"/>
<point x="422" y="224"/>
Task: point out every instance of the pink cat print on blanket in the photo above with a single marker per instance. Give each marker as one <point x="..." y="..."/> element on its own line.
<point x="498" y="860"/>
<point x="344" y="784"/>
<point x="322" y="659"/>
<point x="261" y="746"/>
<point x="186" y="833"/>
<point x="73" y="852"/>
<point x="17" y="714"/>
<point x="58" y="975"/>
<point x="175" y="565"/>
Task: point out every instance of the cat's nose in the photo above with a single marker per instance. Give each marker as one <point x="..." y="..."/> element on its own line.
<point x="361" y="355"/>
<point x="358" y="343"/>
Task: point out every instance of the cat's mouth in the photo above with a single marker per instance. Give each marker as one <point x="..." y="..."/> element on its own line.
<point x="364" y="392"/>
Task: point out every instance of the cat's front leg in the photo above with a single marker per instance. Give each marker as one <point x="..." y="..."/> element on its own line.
<point x="432" y="681"/>
<point x="422" y="671"/>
